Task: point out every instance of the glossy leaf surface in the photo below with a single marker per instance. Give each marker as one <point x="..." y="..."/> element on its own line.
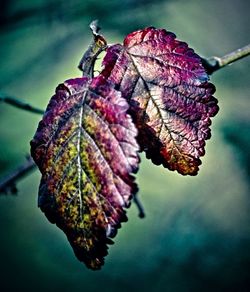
<point x="86" y="150"/>
<point x="169" y="94"/>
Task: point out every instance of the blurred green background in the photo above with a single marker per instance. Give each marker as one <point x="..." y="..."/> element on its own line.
<point x="196" y="234"/>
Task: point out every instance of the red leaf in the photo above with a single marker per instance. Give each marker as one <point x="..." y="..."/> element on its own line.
<point x="86" y="150"/>
<point x="169" y="94"/>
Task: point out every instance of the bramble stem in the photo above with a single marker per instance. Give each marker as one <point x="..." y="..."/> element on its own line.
<point x="19" y="104"/>
<point x="213" y="64"/>
<point x="8" y="183"/>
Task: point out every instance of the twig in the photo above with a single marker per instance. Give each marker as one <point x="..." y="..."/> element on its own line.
<point x="215" y="63"/>
<point x="139" y="206"/>
<point x="19" y="104"/>
<point x="86" y="65"/>
<point x="98" y="45"/>
<point x="8" y="183"/>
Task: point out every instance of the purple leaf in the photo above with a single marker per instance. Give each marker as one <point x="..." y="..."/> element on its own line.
<point x="169" y="94"/>
<point x="86" y="150"/>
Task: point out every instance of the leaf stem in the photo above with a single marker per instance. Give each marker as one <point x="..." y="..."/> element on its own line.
<point x="19" y="104"/>
<point x="8" y="183"/>
<point x="213" y="64"/>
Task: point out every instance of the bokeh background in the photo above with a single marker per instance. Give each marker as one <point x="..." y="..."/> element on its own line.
<point x="196" y="234"/>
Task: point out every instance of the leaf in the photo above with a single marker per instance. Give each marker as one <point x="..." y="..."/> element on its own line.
<point x="169" y="94"/>
<point x="86" y="150"/>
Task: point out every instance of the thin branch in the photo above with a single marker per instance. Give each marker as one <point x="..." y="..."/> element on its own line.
<point x="139" y="207"/>
<point x="19" y="104"/>
<point x="215" y="63"/>
<point x="8" y="183"/>
<point x="86" y="65"/>
<point x="97" y="46"/>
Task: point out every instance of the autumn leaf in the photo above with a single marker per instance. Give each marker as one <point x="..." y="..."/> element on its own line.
<point x="86" y="144"/>
<point x="169" y="94"/>
<point x="86" y="150"/>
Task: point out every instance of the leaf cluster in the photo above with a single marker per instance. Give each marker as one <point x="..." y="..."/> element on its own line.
<point x="153" y="95"/>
